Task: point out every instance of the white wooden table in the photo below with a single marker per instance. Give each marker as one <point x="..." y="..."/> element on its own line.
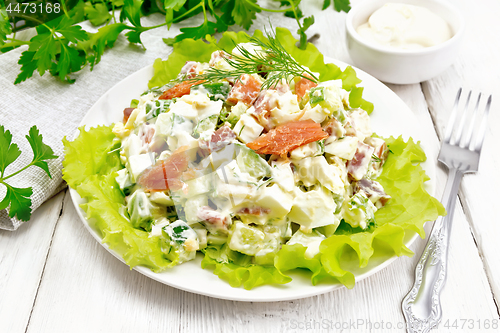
<point x="54" y="277"/>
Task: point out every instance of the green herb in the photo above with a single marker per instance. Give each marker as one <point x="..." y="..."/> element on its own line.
<point x="376" y="158"/>
<point x="316" y="95"/>
<point x="19" y="198"/>
<point x="273" y="61"/>
<point x="61" y="47"/>
<point x="216" y="91"/>
<point x="134" y="103"/>
<point x="241" y="130"/>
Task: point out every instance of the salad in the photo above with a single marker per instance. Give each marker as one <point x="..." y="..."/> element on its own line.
<point x="252" y="160"/>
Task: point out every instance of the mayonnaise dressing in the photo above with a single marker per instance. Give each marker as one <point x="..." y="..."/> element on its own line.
<point x="405" y="26"/>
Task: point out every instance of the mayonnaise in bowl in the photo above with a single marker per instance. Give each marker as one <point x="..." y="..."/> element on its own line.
<point x="404" y="26"/>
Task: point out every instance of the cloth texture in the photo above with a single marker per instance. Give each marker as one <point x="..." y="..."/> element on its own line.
<point x="57" y="108"/>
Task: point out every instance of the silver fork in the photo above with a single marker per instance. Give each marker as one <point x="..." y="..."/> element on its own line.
<point x="421" y="306"/>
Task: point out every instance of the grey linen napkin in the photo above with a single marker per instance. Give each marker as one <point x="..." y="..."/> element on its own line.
<point x="57" y="108"/>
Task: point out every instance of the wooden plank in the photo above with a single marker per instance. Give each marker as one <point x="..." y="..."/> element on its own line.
<point x="85" y="289"/>
<point x="477" y="68"/>
<point x="22" y="261"/>
<point x="106" y="296"/>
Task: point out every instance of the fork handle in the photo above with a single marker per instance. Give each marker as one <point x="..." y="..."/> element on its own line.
<point x="422" y="305"/>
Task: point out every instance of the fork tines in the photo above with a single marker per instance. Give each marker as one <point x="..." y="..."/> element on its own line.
<point x="457" y="134"/>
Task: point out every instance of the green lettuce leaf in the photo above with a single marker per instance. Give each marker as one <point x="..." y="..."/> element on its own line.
<point x="93" y="177"/>
<point x="186" y="50"/>
<point x="90" y="154"/>
<point x="198" y="50"/>
<point x="93" y="158"/>
<point x="236" y="268"/>
<point x="409" y="208"/>
<point x="292" y="257"/>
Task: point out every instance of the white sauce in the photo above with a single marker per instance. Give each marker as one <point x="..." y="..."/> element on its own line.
<point x="405" y="26"/>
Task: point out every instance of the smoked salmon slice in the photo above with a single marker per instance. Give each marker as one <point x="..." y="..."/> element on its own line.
<point x="302" y="86"/>
<point x="245" y="90"/>
<point x="179" y="90"/>
<point x="287" y="137"/>
<point x="165" y="175"/>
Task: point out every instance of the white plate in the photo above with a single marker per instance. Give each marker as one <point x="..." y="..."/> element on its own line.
<point x="390" y="117"/>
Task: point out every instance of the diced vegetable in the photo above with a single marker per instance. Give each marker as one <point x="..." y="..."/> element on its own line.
<point x="247" y="128"/>
<point x="138" y="163"/>
<point x="328" y="96"/>
<point x="315" y="208"/>
<point x="250" y="162"/>
<point x="270" y="245"/>
<point x="206" y="125"/>
<point x="359" y="211"/>
<point x="246" y="239"/>
<point x="344" y="147"/>
<point x="139" y="210"/>
<point x="123" y="180"/>
<point x="182" y="242"/>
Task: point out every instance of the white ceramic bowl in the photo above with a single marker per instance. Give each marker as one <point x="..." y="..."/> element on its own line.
<point x="403" y="66"/>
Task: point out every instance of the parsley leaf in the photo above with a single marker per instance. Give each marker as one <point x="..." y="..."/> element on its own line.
<point x="41" y="151"/>
<point x="106" y="36"/>
<point x="5" y="27"/>
<point x="338" y="5"/>
<point x="244" y="13"/>
<point x="206" y="28"/>
<point x="19" y="201"/>
<point x="19" y="198"/>
<point x="54" y="49"/>
<point x="307" y="22"/>
<point x="97" y="13"/>
<point x="62" y="47"/>
<point x="9" y="152"/>
<point x="174" y="4"/>
<point x="132" y="11"/>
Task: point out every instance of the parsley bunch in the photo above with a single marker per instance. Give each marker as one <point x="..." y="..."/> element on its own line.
<point x="19" y="198"/>
<point x="62" y="47"/>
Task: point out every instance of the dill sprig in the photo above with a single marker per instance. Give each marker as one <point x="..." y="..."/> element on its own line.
<point x="273" y="61"/>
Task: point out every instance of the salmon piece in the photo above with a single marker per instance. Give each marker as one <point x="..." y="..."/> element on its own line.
<point x="358" y="166"/>
<point x="244" y="90"/>
<point x="126" y="114"/>
<point x="287" y="137"/>
<point x="189" y="68"/>
<point x="219" y="139"/>
<point x="179" y="90"/>
<point x="257" y="211"/>
<point x="165" y="175"/>
<point x="302" y="86"/>
<point x="214" y="220"/>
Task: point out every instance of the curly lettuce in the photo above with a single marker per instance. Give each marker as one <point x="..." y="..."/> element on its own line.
<point x="198" y="50"/>
<point x="90" y="166"/>
<point x="92" y="160"/>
